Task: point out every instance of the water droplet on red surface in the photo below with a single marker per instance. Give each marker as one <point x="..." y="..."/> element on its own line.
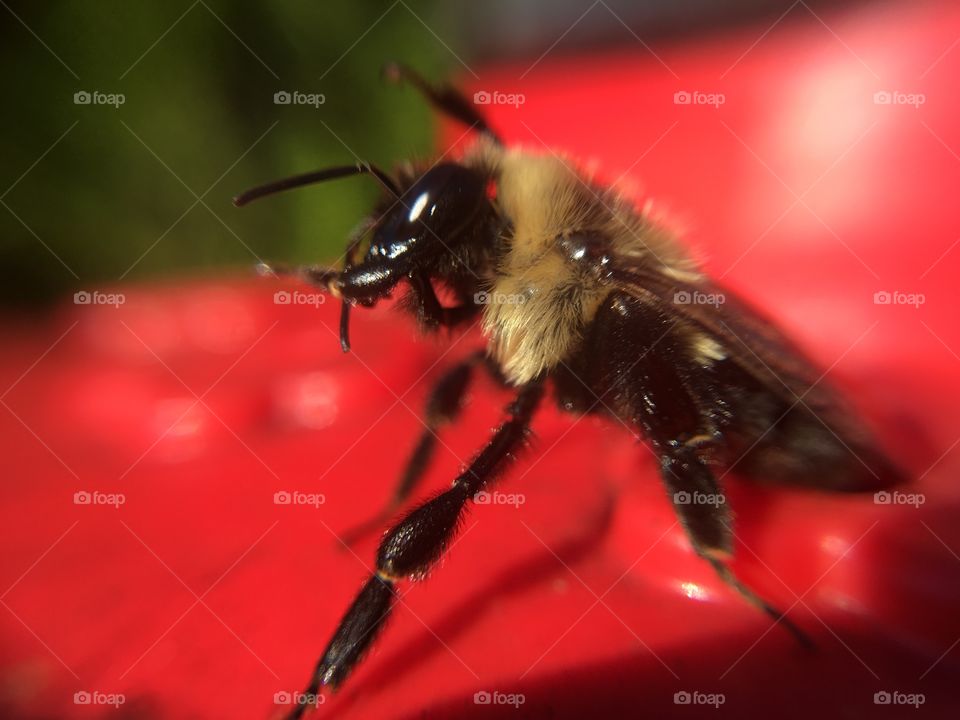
<point x="181" y="426"/>
<point x="310" y="400"/>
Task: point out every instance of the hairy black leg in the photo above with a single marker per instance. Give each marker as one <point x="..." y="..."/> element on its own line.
<point x="414" y="544"/>
<point x="705" y="515"/>
<point x="444" y="404"/>
<point x="445" y="98"/>
<point x="430" y="312"/>
<point x="670" y="397"/>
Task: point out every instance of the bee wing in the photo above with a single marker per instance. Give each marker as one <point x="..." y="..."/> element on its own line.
<point x="845" y="457"/>
<point x="747" y="338"/>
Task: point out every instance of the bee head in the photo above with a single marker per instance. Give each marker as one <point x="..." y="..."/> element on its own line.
<point x="421" y="229"/>
<point x="421" y="232"/>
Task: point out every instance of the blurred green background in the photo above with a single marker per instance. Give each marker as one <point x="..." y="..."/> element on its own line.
<point x="94" y="195"/>
<point x="114" y="198"/>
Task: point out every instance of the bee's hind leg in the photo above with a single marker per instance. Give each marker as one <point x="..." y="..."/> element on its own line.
<point x="664" y="391"/>
<point x="704" y="513"/>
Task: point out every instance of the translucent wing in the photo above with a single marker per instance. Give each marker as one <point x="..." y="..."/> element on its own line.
<point x="758" y="348"/>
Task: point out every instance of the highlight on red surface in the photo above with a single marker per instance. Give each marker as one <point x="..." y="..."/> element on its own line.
<point x="182" y="461"/>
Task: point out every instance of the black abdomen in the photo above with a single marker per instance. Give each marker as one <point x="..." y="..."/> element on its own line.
<point x="637" y="362"/>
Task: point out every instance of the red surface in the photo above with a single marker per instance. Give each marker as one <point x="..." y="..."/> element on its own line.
<point x="200" y="597"/>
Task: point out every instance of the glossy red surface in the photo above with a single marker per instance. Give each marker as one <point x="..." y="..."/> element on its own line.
<point x="200" y="597"/>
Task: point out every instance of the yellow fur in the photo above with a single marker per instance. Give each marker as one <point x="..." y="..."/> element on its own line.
<point x="540" y="299"/>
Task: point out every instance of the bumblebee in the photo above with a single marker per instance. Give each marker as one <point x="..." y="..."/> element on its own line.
<point x="581" y="293"/>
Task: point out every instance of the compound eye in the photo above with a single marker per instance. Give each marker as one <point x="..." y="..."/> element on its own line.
<point x="445" y="198"/>
<point x="437" y="207"/>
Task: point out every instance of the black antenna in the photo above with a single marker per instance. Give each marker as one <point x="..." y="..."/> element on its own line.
<point x="317" y="176"/>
